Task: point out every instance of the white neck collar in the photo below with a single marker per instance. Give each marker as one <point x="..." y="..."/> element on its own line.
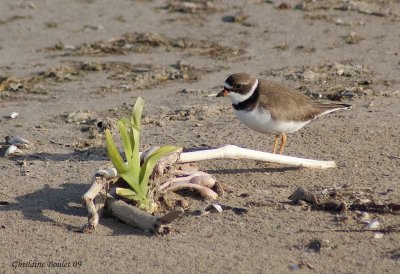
<point x="238" y="98"/>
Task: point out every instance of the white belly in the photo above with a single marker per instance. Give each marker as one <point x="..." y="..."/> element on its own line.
<point x="261" y="121"/>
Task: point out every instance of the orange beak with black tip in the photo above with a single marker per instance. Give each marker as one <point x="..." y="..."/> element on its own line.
<point x="223" y="93"/>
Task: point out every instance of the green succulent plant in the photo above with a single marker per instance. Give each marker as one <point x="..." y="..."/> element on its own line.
<point x="135" y="174"/>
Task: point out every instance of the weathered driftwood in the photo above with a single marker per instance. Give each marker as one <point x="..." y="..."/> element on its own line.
<point x="94" y="200"/>
<point x="135" y="217"/>
<point x="234" y="152"/>
<point x="200" y="181"/>
<point x="96" y="197"/>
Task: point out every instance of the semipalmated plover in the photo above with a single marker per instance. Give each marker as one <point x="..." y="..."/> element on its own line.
<point x="272" y="108"/>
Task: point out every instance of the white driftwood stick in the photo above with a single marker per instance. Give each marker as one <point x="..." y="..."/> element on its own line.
<point x="135" y="217"/>
<point x="234" y="152"/>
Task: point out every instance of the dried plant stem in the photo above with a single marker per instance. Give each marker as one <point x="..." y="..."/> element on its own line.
<point x="234" y="152"/>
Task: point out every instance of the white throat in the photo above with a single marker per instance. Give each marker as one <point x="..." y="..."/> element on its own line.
<point x="237" y="98"/>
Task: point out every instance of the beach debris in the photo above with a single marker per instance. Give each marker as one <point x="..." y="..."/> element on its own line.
<point x="301" y="265"/>
<point x="371" y="225"/>
<point x="193" y="179"/>
<point x="315" y="245"/>
<point x="17" y="141"/>
<point x="98" y="198"/>
<point x="375" y="8"/>
<point x="187" y="6"/>
<point x="200" y="181"/>
<point x="239" y="17"/>
<point x="79" y="116"/>
<point x="283" y="6"/>
<point x="14" y="115"/>
<point x="344" y="199"/>
<point x="217" y="207"/>
<point x="378" y="235"/>
<point x="13" y="151"/>
<point x="147" y="41"/>
<point x="353" y="38"/>
<point x="362" y="217"/>
<point x="235" y="152"/>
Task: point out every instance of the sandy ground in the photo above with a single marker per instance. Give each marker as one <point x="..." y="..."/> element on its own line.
<point x="57" y="57"/>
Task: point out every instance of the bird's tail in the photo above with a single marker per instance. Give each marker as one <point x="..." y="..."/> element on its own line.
<point x="328" y="108"/>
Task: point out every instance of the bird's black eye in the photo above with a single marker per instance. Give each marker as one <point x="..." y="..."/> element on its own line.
<point x="238" y="86"/>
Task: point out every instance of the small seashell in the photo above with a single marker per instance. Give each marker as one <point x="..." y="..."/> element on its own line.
<point x="217" y="207"/>
<point x="108" y="173"/>
<point x="378" y="235"/>
<point x="363" y="217"/>
<point x="371" y="225"/>
<point x="12" y="151"/>
<point x="364" y="201"/>
<point x="69" y="47"/>
<point x="14" y="115"/>
<point x="338" y="21"/>
<point x="17" y="141"/>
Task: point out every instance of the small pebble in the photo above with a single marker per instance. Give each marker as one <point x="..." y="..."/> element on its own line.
<point x="14" y="115"/>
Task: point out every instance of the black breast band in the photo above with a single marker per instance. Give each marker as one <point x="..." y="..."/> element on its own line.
<point x="248" y="104"/>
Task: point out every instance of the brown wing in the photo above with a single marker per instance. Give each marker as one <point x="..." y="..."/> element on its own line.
<point x="285" y="103"/>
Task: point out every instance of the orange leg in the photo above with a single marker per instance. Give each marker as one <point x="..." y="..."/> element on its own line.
<point x="283" y="143"/>
<point x="276" y="143"/>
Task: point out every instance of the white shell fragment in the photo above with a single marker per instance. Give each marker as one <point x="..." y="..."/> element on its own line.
<point x="371" y="225"/>
<point x="217" y="207"/>
<point x="363" y="217"/>
<point x="14" y="115"/>
<point x="108" y="173"/>
<point x="12" y="151"/>
<point x="17" y="141"/>
<point x="378" y="235"/>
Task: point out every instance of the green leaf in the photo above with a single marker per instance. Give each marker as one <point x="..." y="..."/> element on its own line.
<point x="150" y="163"/>
<point x="126" y="142"/>
<point x="127" y="194"/>
<point x="137" y="112"/>
<point x="133" y="181"/>
<point x="135" y="139"/>
<point x="114" y="155"/>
